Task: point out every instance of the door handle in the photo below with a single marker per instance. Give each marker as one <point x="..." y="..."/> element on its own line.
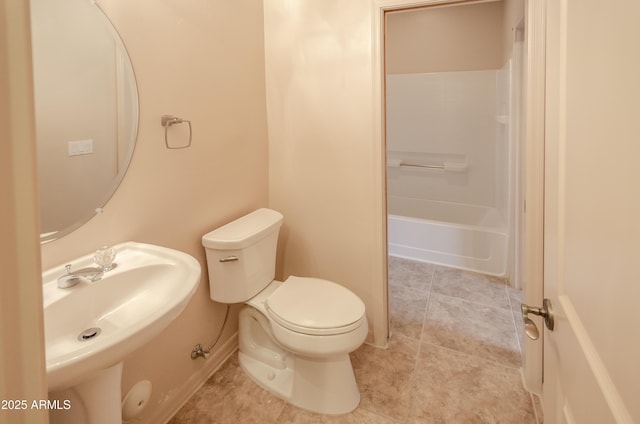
<point x="530" y="328"/>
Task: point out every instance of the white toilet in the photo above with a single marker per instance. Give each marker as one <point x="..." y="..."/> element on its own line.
<point x="295" y="336"/>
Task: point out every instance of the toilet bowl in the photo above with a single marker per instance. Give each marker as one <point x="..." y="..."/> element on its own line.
<point x="294" y="336"/>
<point x="312" y="371"/>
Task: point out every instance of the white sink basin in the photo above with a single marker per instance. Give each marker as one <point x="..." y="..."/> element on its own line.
<point x="131" y="304"/>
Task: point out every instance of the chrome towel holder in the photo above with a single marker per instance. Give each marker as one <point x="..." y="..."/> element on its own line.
<point x="169" y="120"/>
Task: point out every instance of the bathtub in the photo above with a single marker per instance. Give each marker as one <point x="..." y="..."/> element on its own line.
<point x="452" y="234"/>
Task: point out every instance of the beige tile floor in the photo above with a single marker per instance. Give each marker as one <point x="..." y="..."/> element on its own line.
<point x="453" y="357"/>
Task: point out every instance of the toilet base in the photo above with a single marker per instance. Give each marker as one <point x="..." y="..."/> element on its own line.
<point x="321" y="385"/>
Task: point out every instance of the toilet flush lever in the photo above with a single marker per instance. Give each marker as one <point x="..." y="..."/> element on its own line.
<point x="530" y="328"/>
<point x="229" y="259"/>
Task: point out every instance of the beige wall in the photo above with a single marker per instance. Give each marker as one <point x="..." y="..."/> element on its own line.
<point x="512" y="16"/>
<point x="445" y="39"/>
<point x="202" y="61"/>
<point x="324" y="169"/>
<point x="22" y="372"/>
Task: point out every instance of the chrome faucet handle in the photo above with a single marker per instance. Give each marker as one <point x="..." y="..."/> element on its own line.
<point x="68" y="280"/>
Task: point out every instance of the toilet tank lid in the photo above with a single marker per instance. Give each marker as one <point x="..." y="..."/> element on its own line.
<point x="243" y="231"/>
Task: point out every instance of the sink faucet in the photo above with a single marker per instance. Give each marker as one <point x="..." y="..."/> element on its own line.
<point x="103" y="258"/>
<point x="71" y="278"/>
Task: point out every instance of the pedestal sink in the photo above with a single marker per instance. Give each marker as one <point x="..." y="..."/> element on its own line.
<point x="92" y="327"/>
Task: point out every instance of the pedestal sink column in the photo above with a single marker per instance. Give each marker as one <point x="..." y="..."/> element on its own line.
<point x="96" y="400"/>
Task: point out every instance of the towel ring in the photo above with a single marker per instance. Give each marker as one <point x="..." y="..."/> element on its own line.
<point x="169" y="120"/>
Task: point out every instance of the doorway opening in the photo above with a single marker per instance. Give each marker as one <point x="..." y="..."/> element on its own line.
<point x="452" y="95"/>
<point x="454" y="112"/>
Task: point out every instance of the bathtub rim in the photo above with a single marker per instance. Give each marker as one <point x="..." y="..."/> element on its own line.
<point x="396" y="249"/>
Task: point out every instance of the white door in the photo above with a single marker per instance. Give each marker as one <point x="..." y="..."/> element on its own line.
<point x="592" y="211"/>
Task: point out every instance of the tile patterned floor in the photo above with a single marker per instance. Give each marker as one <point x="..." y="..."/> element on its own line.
<point x="453" y="357"/>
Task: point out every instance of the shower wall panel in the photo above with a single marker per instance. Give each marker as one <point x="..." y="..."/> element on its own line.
<point x="446" y="116"/>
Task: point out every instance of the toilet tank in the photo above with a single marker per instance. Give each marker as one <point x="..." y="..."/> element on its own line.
<point x="241" y="256"/>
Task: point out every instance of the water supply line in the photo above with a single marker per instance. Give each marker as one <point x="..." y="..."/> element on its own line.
<point x="197" y="350"/>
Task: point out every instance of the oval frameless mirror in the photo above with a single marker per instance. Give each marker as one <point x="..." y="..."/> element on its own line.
<point x="86" y="108"/>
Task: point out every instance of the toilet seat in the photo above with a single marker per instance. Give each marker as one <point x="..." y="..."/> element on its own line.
<point x="314" y="306"/>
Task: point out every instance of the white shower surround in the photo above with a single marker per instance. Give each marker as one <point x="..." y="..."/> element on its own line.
<point x="450" y="218"/>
